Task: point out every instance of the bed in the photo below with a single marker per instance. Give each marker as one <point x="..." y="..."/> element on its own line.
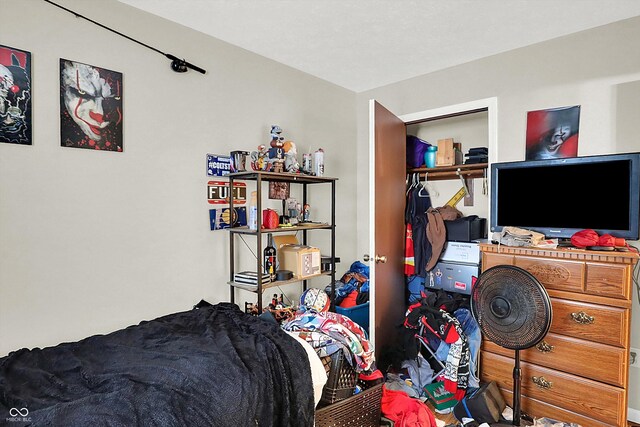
<point x="209" y="366"/>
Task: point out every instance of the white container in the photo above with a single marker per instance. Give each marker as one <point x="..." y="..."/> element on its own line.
<point x="318" y="162"/>
<point x="253" y="211"/>
<point x="306" y="163"/>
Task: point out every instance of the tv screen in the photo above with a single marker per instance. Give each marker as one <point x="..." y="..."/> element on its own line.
<point x="562" y="196"/>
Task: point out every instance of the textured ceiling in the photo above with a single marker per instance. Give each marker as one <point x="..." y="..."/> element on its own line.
<point x="363" y="44"/>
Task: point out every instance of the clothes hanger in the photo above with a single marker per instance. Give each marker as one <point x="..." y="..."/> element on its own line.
<point x="423" y="188"/>
<point x="429" y="187"/>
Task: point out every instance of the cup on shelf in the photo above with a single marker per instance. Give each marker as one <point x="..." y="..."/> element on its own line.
<point x="430" y="156"/>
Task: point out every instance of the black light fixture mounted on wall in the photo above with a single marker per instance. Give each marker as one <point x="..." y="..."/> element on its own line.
<point x="178" y="65"/>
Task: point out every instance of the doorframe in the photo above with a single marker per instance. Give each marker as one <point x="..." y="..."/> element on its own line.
<point x="487" y="104"/>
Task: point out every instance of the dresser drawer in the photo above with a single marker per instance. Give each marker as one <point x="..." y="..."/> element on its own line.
<point x="608" y="280"/>
<point x="592" y="322"/>
<point x="590" y="398"/>
<point x="575" y="356"/>
<point x="491" y="260"/>
<point x="557" y="274"/>
<point x="541" y="409"/>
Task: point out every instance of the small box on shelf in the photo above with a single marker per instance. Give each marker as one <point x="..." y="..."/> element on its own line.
<point x="303" y="261"/>
<point x="445" y="156"/>
<point x="326" y="264"/>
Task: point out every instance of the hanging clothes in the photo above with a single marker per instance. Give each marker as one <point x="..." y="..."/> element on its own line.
<point x="437" y="232"/>
<point x="418" y="202"/>
<point x="409" y="252"/>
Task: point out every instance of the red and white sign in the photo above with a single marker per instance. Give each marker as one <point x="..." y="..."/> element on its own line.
<point x="218" y="193"/>
<point x="460" y="285"/>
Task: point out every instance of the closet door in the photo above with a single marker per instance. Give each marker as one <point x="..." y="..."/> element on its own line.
<point x="387" y="188"/>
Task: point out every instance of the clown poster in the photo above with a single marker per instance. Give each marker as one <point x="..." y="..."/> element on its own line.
<point x="15" y="96"/>
<point x="90" y="107"/>
<point x="552" y="133"/>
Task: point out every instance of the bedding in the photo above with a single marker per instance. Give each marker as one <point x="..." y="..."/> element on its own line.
<point x="210" y="366"/>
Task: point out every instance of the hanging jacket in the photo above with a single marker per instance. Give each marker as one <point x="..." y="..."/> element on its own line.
<point x="437" y="232"/>
<point x="418" y="202"/>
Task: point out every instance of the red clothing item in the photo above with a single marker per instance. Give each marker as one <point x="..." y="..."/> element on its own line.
<point x="349" y="300"/>
<point x="405" y="411"/>
<point x="409" y="252"/>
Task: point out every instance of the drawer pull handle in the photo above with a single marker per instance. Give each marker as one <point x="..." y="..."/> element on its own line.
<point x="582" y="318"/>
<point x="545" y="347"/>
<point x="542" y="382"/>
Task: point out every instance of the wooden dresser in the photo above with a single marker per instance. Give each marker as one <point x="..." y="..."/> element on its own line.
<point x="580" y="371"/>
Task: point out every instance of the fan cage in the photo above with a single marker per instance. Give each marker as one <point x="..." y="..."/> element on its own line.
<point x="511" y="307"/>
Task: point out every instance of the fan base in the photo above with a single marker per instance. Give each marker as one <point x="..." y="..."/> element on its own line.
<point x="525" y="420"/>
<point x="522" y="424"/>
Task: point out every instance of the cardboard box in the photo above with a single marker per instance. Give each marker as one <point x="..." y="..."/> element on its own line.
<point x="279" y="241"/>
<point x="303" y="261"/>
<point x="445" y="156"/>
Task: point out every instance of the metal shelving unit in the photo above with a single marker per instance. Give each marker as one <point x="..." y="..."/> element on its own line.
<point x="259" y="177"/>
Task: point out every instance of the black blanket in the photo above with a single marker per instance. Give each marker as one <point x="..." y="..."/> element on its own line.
<point x="212" y="366"/>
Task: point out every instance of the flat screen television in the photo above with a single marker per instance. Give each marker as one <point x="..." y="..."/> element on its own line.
<point x="559" y="197"/>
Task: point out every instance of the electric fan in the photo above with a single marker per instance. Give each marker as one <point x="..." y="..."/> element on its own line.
<point x="513" y="310"/>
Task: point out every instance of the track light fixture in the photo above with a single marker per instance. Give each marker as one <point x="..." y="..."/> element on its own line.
<point x="178" y="65"/>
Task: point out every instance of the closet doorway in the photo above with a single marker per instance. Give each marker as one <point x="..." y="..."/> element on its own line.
<point x="387" y="174"/>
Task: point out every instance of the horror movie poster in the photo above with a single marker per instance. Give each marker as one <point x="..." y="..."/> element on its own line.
<point x="15" y="96"/>
<point x="90" y="107"/>
<point x="552" y="133"/>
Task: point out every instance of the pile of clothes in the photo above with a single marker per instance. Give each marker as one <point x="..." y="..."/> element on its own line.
<point x="353" y="288"/>
<point x="446" y="324"/>
<point x="329" y="332"/>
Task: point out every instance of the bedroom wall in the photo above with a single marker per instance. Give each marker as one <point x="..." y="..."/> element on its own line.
<point x="598" y="69"/>
<point x="94" y="241"/>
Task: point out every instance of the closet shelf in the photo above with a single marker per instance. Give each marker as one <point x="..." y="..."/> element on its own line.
<point x="439" y="173"/>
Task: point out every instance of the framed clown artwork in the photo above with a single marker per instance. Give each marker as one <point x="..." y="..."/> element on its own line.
<point x="90" y="107"/>
<point x="552" y="133"/>
<point x="15" y="96"/>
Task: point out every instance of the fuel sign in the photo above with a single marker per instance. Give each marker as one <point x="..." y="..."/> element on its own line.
<point x="218" y="193"/>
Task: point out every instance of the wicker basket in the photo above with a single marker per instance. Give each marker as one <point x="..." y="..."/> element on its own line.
<point x="341" y="382"/>
<point x="360" y="410"/>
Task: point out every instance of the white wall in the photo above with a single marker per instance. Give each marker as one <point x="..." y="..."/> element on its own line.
<point x="597" y="69"/>
<point x="94" y="241"/>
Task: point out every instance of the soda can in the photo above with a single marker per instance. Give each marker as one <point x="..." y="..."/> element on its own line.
<point x="306" y="163"/>
<point x="318" y="162"/>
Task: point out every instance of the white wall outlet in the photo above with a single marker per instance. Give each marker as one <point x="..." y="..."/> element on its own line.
<point x="634" y="356"/>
